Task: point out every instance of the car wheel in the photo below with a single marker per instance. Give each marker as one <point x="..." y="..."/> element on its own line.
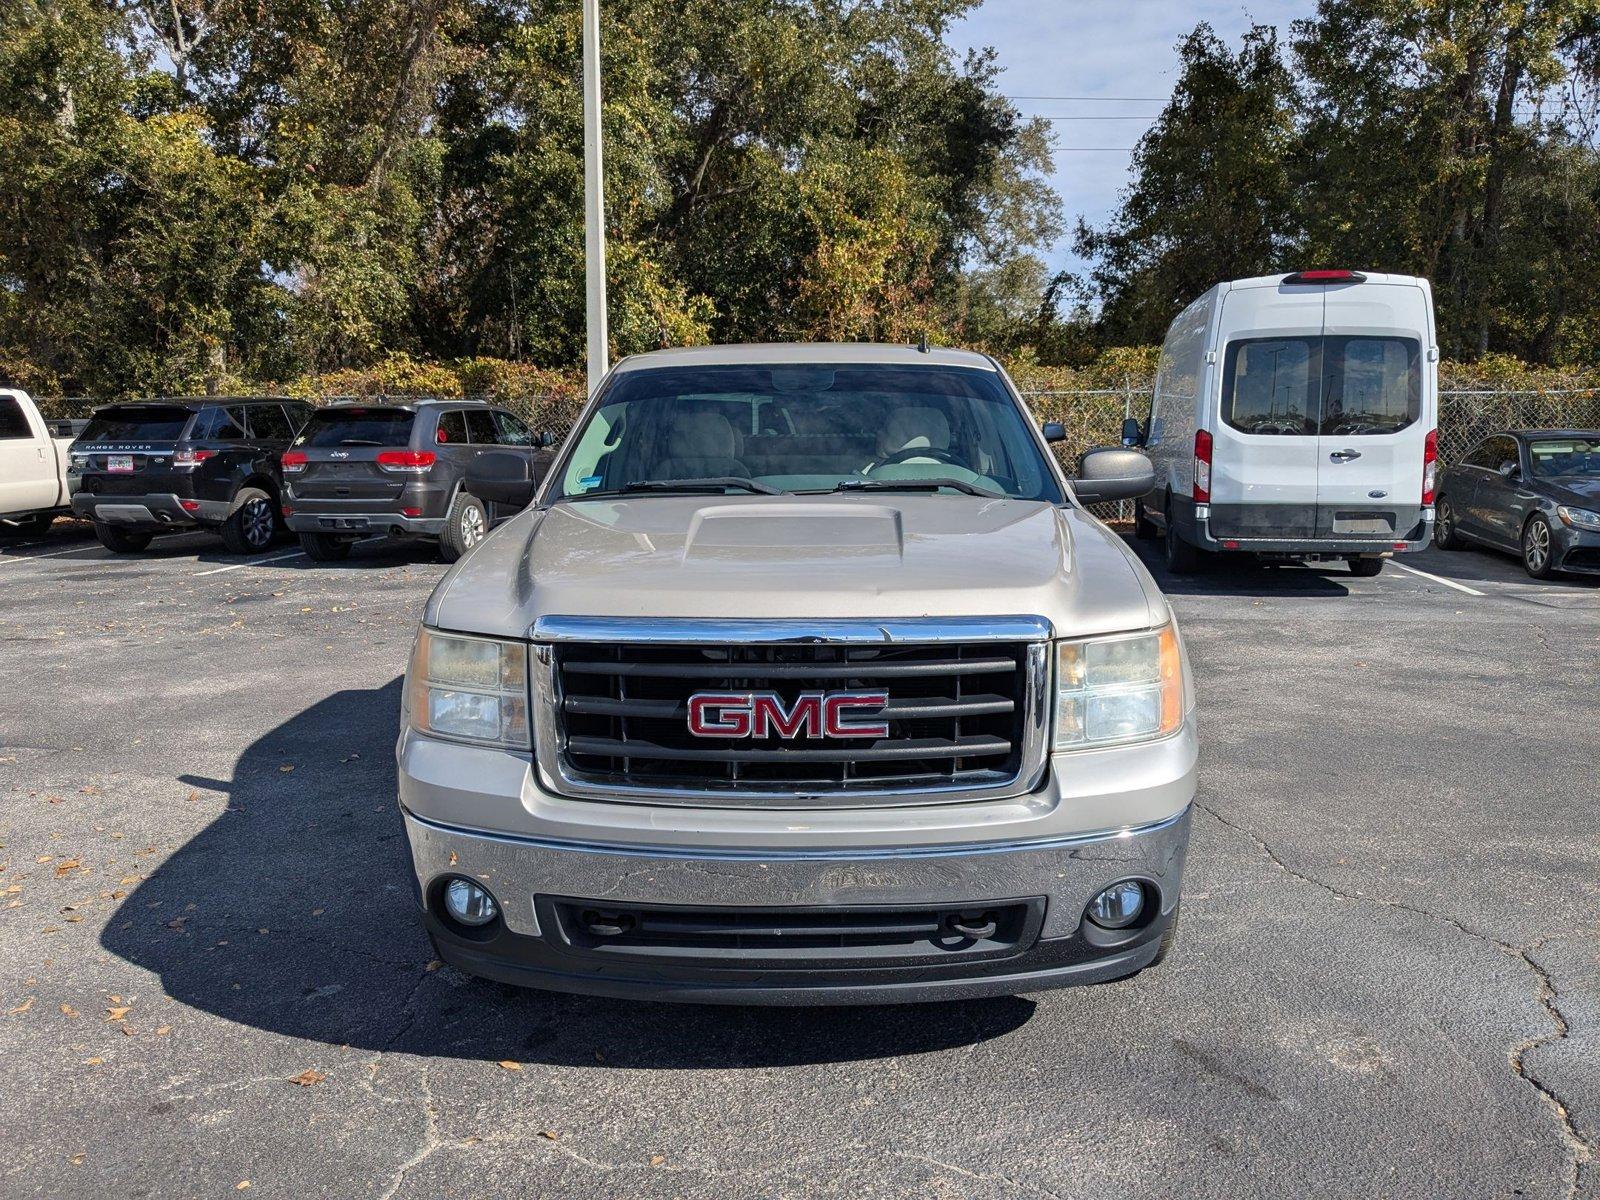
<point x="253" y="523"/>
<point x="1538" y="555"/>
<point x="1143" y="527"/>
<point x="122" y="541"/>
<point x="324" y="547"/>
<point x="31" y="526"/>
<point x="1366" y="567"/>
<point x="464" y="528"/>
<point x="1182" y="558"/>
<point x="1445" y="534"/>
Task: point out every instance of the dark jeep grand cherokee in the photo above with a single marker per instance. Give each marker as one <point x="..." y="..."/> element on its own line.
<point x="396" y="468"/>
<point x="209" y="462"/>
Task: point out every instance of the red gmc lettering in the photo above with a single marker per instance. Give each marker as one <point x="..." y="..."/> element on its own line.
<point x="764" y="714"/>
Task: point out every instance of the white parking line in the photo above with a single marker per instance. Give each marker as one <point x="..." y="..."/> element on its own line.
<point x="16" y="558"/>
<point x="257" y="562"/>
<point x="1451" y="583"/>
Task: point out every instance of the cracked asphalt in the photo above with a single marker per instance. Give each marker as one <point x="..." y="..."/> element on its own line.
<point x="1387" y="981"/>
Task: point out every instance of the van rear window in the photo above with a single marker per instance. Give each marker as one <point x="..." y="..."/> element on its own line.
<point x="1335" y="386"/>
<point x="144" y="423"/>
<point x="357" y="426"/>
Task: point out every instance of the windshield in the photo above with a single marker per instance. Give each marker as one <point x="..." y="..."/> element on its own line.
<point x="357" y="427"/>
<point x="147" y="423"/>
<point x="1566" y="456"/>
<point x="808" y="428"/>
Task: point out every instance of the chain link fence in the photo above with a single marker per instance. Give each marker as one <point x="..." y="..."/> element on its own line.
<point x="1094" y="418"/>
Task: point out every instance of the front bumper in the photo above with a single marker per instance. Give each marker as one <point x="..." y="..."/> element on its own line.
<point x="1576" y="551"/>
<point x="156" y="510"/>
<point x="1099" y="817"/>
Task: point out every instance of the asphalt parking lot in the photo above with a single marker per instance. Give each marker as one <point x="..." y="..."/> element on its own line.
<point x="212" y="982"/>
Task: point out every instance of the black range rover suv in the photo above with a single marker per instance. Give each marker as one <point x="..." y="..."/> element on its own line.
<point x="398" y="468"/>
<point x="207" y="462"/>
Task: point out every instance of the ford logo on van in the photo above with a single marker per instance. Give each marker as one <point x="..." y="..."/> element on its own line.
<point x="764" y="714"/>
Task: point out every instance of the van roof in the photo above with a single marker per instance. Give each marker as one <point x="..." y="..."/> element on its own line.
<point x="1261" y="281"/>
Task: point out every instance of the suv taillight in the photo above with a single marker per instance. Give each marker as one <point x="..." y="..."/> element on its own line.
<point x="293" y="460"/>
<point x="407" y="462"/>
<point x="188" y="460"/>
<point x="1430" y="465"/>
<point x="1202" y="466"/>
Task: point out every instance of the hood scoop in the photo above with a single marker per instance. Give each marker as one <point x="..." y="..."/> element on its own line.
<point x="829" y="530"/>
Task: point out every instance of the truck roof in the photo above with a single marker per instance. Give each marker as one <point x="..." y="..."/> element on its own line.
<point x="776" y="353"/>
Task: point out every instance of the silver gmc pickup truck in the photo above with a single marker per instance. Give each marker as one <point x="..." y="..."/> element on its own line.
<point x="803" y="677"/>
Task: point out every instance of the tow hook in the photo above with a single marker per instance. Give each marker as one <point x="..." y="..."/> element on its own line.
<point x="972" y="925"/>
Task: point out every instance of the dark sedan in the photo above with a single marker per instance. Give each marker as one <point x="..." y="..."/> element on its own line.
<point x="1535" y="492"/>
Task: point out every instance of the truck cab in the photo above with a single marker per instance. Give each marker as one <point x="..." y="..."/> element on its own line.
<point x="33" y="465"/>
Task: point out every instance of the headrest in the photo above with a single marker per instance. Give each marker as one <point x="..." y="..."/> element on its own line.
<point x="701" y="435"/>
<point x="915" y="428"/>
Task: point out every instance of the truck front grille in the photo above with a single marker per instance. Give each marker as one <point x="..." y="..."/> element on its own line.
<point x="958" y="716"/>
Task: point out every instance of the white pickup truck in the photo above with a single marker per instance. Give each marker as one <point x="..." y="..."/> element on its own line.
<point x="33" y="465"/>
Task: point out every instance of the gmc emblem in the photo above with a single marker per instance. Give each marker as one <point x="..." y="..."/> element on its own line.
<point x="763" y="714"/>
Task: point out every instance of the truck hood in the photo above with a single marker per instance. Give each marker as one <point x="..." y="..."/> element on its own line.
<point x="818" y="557"/>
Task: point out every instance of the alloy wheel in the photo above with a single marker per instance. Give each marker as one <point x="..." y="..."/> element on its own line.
<point x="258" y="523"/>
<point x="1536" y="546"/>
<point x="472" y="525"/>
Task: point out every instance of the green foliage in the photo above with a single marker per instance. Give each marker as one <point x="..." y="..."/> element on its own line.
<point x="1430" y="137"/>
<point x="203" y="194"/>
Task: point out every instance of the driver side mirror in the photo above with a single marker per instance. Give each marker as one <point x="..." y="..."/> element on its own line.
<point x="1132" y="435"/>
<point x="501" y="477"/>
<point x="1110" y="474"/>
<point x="1508" y="469"/>
<point x="545" y="440"/>
<point x="1054" y="431"/>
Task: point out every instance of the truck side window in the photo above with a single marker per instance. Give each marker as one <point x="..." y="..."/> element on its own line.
<point x="586" y="468"/>
<point x="13" y="423"/>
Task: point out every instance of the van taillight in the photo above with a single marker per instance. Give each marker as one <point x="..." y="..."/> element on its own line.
<point x="1202" y="466"/>
<point x="409" y="462"/>
<point x="188" y="460"/>
<point x="1430" y="465"/>
<point x="1340" y="276"/>
<point x="294" y="460"/>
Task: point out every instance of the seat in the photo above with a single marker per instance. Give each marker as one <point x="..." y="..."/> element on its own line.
<point x="914" y="427"/>
<point x="699" y="446"/>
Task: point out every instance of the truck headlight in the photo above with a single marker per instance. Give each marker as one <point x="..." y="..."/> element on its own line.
<point x="471" y="688"/>
<point x="1579" y="518"/>
<point x="1127" y="688"/>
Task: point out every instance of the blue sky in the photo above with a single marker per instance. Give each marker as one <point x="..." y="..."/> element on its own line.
<point x="1108" y="49"/>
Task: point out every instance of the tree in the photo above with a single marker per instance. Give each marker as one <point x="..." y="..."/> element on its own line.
<point x="1212" y="192"/>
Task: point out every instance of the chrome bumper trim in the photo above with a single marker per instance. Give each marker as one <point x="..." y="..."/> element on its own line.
<point x="756" y="632"/>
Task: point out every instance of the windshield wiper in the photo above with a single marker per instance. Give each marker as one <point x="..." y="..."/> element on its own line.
<point x="710" y="483"/>
<point x="359" y="442"/>
<point x="913" y="485"/>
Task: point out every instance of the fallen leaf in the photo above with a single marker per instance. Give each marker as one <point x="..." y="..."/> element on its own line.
<point x="76" y="1159"/>
<point x="507" y="1063"/>
<point x="193" y="796"/>
<point x="23" y="1007"/>
<point x="44" y="858"/>
<point x="128" y="1030"/>
<point x="286" y="768"/>
<point x="93" y="1062"/>
<point x="433" y="966"/>
<point x="241" y="1185"/>
<point x="309" y="1076"/>
<point x="68" y="867"/>
<point x="453" y="859"/>
<point x="68" y="1011"/>
<point x="118" y="1012"/>
<point x="317" y="912"/>
<point x="550" y="1135"/>
<point x="163" y="1030"/>
<point x="657" y="1159"/>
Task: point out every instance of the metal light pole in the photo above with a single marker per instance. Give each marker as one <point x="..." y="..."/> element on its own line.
<point x="594" y="232"/>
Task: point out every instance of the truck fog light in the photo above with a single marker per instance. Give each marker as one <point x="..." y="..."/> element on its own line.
<point x="468" y="903"/>
<point x="1118" y="906"/>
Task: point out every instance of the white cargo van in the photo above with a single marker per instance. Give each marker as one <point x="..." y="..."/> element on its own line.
<point x="1294" y="417"/>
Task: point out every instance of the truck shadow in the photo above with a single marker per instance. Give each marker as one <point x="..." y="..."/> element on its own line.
<point x="293" y="913"/>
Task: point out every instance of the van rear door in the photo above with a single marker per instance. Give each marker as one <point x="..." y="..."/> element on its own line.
<point x="1377" y="408"/>
<point x="1264" y="447"/>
